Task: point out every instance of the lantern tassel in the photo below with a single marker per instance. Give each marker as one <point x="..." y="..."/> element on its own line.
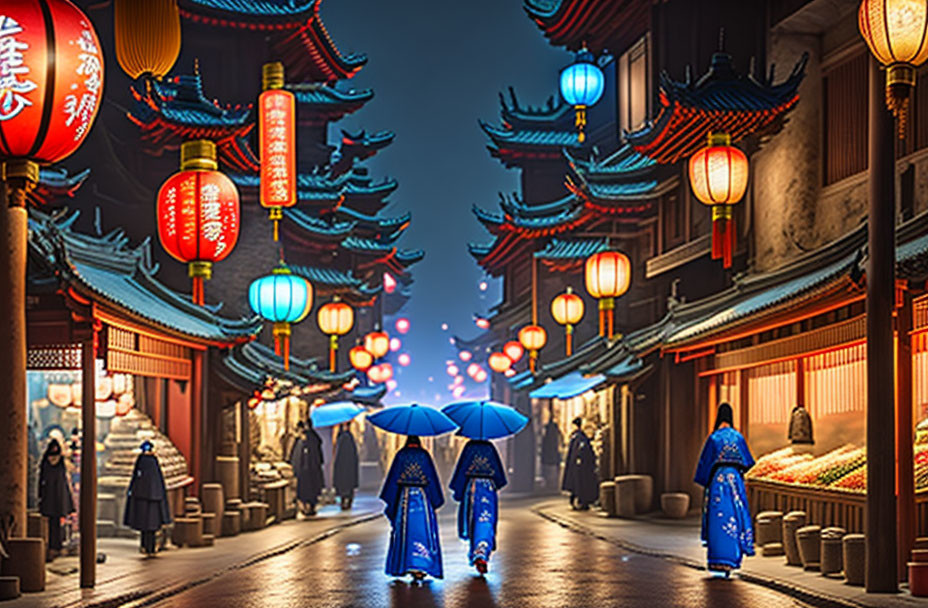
<point x="602" y="322"/>
<point x="333" y="348"/>
<point x="569" y="341"/>
<point x="611" y="321"/>
<point x="286" y="348"/>
<point x="717" y="229"/>
<point x="580" y="123"/>
<point x="277" y="345"/>
<point x="276" y="231"/>
<point x="900" y="81"/>
<point x="728" y="246"/>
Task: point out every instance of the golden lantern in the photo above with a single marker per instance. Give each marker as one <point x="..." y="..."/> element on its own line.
<point x="719" y="177"/>
<point x="147" y="36"/>
<point x="513" y="350"/>
<point x="377" y="343"/>
<point x="897" y="33"/>
<point x="567" y="310"/>
<point x="533" y="339"/>
<point x="499" y="362"/>
<point x="607" y="275"/>
<point x="360" y="359"/>
<point x="335" y="319"/>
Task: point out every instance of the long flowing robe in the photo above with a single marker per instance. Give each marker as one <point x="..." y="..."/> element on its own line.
<point x="478" y="476"/>
<point x="726" y="519"/>
<point x="412" y="493"/>
<point x="147" y="506"/>
<point x="306" y="459"/>
<point x="55" y="500"/>
<point x="580" y="469"/>
<point x="345" y="478"/>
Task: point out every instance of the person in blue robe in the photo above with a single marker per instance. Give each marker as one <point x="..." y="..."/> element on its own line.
<point x="478" y="476"/>
<point x="726" y="520"/>
<point x="412" y="494"/>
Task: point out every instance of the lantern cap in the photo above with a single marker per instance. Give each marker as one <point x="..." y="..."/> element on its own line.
<point x="198" y="155"/>
<point x="272" y="75"/>
<point x="719" y="139"/>
<point x="281" y="268"/>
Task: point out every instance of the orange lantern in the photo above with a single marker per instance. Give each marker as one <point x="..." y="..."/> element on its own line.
<point x="360" y="359"/>
<point x="607" y="276"/>
<point x="513" y="350"/>
<point x="499" y="362"/>
<point x="277" y="143"/>
<point x="335" y="319"/>
<point x="377" y="343"/>
<point x="567" y="310"/>
<point x="533" y="339"/>
<point x="719" y="177"/>
<point x="147" y="36"/>
<point x="198" y="213"/>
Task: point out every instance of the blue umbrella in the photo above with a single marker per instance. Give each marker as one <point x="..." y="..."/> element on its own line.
<point x="331" y="414"/>
<point x="485" y="419"/>
<point x="413" y="419"/>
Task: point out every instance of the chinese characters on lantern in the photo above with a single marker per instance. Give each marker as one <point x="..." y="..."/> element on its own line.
<point x="82" y="107"/>
<point x="14" y="84"/>
<point x="278" y="150"/>
<point x="218" y="222"/>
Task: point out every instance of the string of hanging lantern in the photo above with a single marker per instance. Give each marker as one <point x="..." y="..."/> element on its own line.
<point x="277" y="144"/>
<point x="283" y="299"/>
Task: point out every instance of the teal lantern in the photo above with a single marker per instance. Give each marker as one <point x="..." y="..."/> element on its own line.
<point x="281" y="298"/>
<point x="582" y="84"/>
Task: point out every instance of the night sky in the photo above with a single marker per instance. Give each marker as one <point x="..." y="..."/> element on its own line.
<point x="436" y="67"/>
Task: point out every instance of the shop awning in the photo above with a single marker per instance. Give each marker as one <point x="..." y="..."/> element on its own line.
<point x="568" y="386"/>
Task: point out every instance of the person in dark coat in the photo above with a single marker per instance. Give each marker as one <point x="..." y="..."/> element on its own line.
<point x="55" y="500"/>
<point x="345" y="476"/>
<point x="147" y="506"/>
<point x="306" y="459"/>
<point x="580" y="470"/>
<point x="551" y="452"/>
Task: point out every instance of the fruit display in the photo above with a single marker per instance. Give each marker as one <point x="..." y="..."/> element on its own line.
<point x="771" y="463"/>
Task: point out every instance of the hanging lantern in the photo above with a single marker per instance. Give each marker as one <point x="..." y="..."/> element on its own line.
<point x="472" y="369"/>
<point x="378" y="374"/>
<point x="567" y="310"/>
<point x="277" y="142"/>
<point x="465" y="356"/>
<point x="513" y="350"/>
<point x="533" y="339"/>
<point x="404" y="359"/>
<point x="377" y="343"/>
<point x="282" y="298"/>
<point x="500" y="362"/>
<point x="719" y="177"/>
<point x="335" y="319"/>
<point x="582" y="84"/>
<point x="51" y="67"/>
<point x="198" y="213"/>
<point x="360" y="359"/>
<point x="452" y="370"/>
<point x="607" y="276"/>
<point x="147" y="36"/>
<point x="897" y="33"/>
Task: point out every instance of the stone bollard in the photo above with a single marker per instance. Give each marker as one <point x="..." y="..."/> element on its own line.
<point x="809" y="539"/>
<point x="227" y="468"/>
<point x="607" y="498"/>
<point x="212" y="499"/>
<point x="855" y="559"/>
<point x="26" y="562"/>
<point x="644" y="492"/>
<point x="675" y="505"/>
<point x="9" y="587"/>
<point x="624" y="496"/>
<point x="768" y="528"/>
<point x="792" y="521"/>
<point x="832" y="551"/>
<point x="231" y="523"/>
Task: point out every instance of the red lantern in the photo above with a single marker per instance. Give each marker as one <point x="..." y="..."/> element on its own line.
<point x="277" y="142"/>
<point x="567" y="310"/>
<point x="533" y="338"/>
<point x="335" y="319"/>
<point x="719" y="177"/>
<point x="198" y="213"/>
<point x="500" y="362"/>
<point x="513" y="350"/>
<point x="360" y="359"/>
<point x="377" y="343"/>
<point x="607" y="275"/>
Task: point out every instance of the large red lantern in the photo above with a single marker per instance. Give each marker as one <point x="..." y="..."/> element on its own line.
<point x="360" y="359"/>
<point x="607" y="276"/>
<point x="198" y="213"/>
<point x="719" y="177"/>
<point x="567" y="310"/>
<point x="499" y="362"/>
<point x="51" y="84"/>
<point x="277" y="142"/>
<point x="513" y="350"/>
<point x="377" y="343"/>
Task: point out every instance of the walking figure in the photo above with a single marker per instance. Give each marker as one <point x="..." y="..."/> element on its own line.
<point x="478" y="477"/>
<point x="580" y="470"/>
<point x="147" y="506"/>
<point x="55" y="500"/>
<point x="345" y="473"/>
<point x="306" y="459"/>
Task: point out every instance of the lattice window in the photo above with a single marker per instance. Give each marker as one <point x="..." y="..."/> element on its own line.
<point x="836" y="381"/>
<point x="772" y="392"/>
<point x="62" y="356"/>
<point x="135" y="353"/>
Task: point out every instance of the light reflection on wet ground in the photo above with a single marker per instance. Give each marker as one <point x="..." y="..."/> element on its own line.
<point x="538" y="564"/>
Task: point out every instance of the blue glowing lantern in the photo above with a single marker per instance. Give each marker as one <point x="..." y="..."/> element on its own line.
<point x="281" y="298"/>
<point x="582" y="84"/>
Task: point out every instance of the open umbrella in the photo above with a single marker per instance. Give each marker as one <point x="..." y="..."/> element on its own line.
<point x="485" y="419"/>
<point x="413" y="419"/>
<point x="330" y="414"/>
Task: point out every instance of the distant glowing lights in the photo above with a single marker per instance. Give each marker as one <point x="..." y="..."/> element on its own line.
<point x="444" y="327"/>
<point x="402" y="325"/>
<point x="482" y="323"/>
<point x="389" y="283"/>
<point x="395" y="345"/>
<point x="483" y="285"/>
<point x="465" y="356"/>
<point x="404" y="360"/>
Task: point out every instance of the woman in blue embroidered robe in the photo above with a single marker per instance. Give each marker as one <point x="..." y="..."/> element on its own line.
<point x="479" y="475"/>
<point x="412" y="493"/>
<point x="726" y="519"/>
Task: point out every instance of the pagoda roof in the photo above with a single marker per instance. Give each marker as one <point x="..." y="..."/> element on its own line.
<point x="121" y="278"/>
<point x="594" y="23"/>
<point x="360" y="146"/>
<point x="518" y="116"/>
<point x="322" y="103"/>
<point x="513" y="146"/>
<point x="56" y="183"/>
<point x="720" y="101"/>
<point x="294" y="30"/>
<point x="318" y="227"/>
<point x="317" y="188"/>
<point x="331" y="281"/>
<point x="387" y="229"/>
<point x="569" y="255"/>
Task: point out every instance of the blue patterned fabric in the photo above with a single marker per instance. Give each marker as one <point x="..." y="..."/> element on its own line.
<point x="478" y="476"/>
<point x="726" y="519"/>
<point x="412" y="493"/>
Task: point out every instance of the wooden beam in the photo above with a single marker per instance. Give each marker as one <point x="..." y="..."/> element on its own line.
<point x="88" y="492"/>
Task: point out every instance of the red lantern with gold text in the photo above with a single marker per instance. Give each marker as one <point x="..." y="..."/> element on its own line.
<point x="198" y="213"/>
<point x="567" y="310"/>
<point x="277" y="143"/>
<point x="719" y="177"/>
<point x="51" y="84"/>
<point x="533" y="338"/>
<point x="513" y="350"/>
<point x="607" y="276"/>
<point x="499" y="362"/>
<point x="335" y="319"/>
<point x="360" y="359"/>
<point x="377" y="343"/>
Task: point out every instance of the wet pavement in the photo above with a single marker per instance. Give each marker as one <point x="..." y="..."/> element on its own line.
<point x="539" y="564"/>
